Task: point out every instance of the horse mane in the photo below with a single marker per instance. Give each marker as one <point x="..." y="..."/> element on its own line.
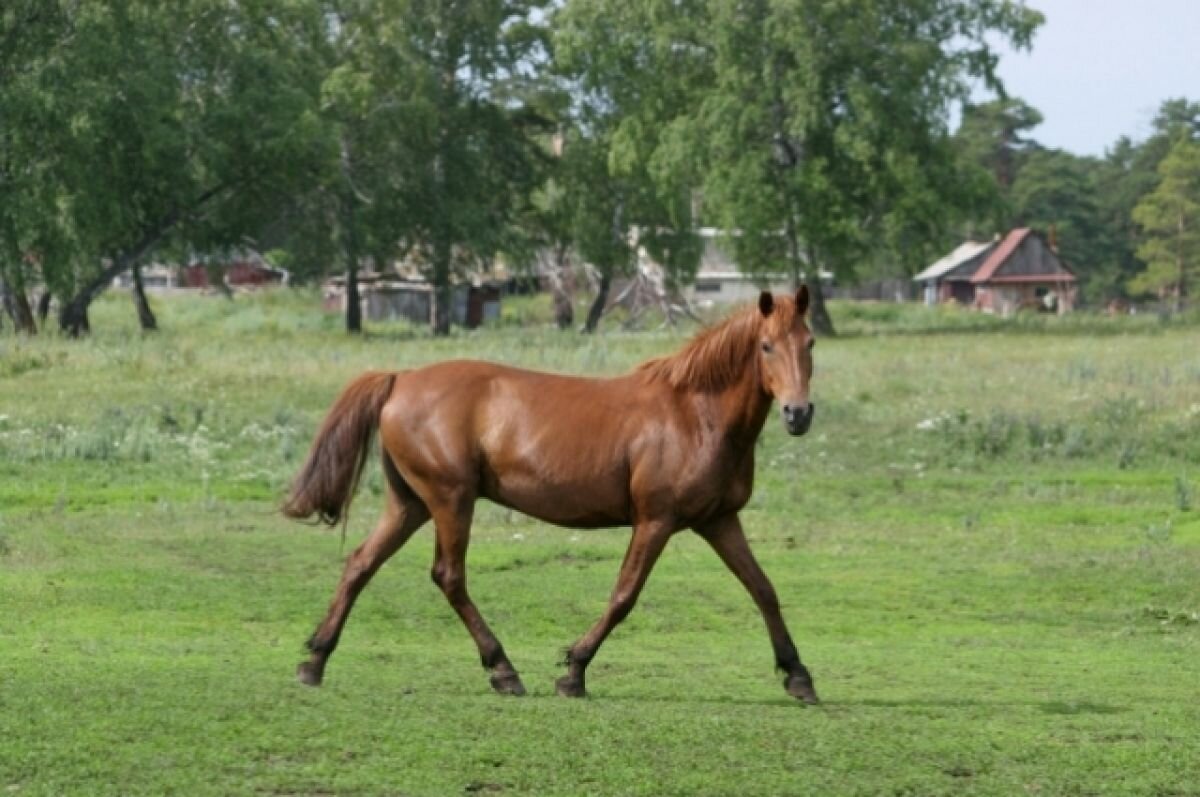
<point x="718" y="356"/>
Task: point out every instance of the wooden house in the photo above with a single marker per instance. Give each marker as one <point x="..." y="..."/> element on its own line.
<point x="390" y="296"/>
<point x="1019" y="271"/>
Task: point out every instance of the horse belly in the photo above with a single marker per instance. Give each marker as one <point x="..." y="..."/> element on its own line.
<point x="571" y="500"/>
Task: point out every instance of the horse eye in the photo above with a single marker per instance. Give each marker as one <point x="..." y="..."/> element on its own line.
<point x="766" y="346"/>
<point x="812" y="342"/>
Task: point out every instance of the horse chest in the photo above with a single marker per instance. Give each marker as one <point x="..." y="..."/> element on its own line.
<point x="719" y="487"/>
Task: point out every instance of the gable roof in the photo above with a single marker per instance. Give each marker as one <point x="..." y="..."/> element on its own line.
<point x="962" y="253"/>
<point x="1000" y="266"/>
<point x="1000" y="254"/>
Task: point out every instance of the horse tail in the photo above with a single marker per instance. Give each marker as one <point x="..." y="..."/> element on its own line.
<point x="325" y="485"/>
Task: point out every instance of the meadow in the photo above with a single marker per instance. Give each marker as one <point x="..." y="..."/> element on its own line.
<point x="987" y="548"/>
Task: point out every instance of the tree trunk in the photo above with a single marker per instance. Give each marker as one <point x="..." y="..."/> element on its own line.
<point x="818" y="312"/>
<point x="72" y="318"/>
<point x="1179" y="282"/>
<point x="23" y="318"/>
<point x="442" y="298"/>
<point x="350" y="239"/>
<point x="564" y="310"/>
<point x="16" y="305"/>
<point x="597" y="308"/>
<point x="43" y="307"/>
<point x="443" y="294"/>
<point x="353" y="297"/>
<point x="145" y="315"/>
<point x="353" y="301"/>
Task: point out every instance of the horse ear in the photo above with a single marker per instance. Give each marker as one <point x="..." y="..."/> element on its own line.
<point x="766" y="302"/>
<point x="802" y="300"/>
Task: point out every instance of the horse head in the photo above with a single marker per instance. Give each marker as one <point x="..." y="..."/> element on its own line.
<point x="785" y="357"/>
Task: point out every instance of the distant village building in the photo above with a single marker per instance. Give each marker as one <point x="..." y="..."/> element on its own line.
<point x="720" y="281"/>
<point x="1019" y="271"/>
<point x="390" y="296"/>
<point x="249" y="270"/>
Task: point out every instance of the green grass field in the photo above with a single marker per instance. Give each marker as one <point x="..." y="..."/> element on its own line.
<point x="988" y="550"/>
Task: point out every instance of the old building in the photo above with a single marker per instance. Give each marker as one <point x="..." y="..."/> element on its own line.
<point x="1019" y="271"/>
<point x="389" y="296"/>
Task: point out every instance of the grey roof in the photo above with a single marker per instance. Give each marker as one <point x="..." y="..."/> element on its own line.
<point x="960" y="255"/>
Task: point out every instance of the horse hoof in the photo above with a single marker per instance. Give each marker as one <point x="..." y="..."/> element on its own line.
<point x="507" y="683"/>
<point x="801" y="689"/>
<point x="309" y="674"/>
<point x="569" y="688"/>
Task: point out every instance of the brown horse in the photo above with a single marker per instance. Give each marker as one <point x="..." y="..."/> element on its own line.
<point x="667" y="447"/>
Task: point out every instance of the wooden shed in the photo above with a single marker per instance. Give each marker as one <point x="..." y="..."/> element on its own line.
<point x="1018" y="271"/>
<point x="386" y="297"/>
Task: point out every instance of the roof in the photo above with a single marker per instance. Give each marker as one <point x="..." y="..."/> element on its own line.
<point x="960" y="255"/>
<point x="1001" y="253"/>
<point x="994" y="268"/>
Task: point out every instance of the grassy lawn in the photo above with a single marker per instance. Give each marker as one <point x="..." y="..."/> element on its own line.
<point x="988" y="550"/>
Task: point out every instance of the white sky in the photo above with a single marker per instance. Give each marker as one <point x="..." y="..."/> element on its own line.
<point x="1099" y="69"/>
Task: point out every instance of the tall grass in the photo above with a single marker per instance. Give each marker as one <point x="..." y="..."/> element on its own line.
<point x="235" y="388"/>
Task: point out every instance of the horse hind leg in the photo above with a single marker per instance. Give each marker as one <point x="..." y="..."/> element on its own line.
<point x="403" y="514"/>
<point x="453" y="522"/>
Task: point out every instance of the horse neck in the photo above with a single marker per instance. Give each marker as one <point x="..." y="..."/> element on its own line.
<point x="744" y="407"/>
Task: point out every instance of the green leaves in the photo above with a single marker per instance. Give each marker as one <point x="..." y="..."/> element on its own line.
<point x="1170" y="220"/>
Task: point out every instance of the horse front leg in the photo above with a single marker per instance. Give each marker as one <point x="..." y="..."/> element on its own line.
<point x="649" y="539"/>
<point x="726" y="537"/>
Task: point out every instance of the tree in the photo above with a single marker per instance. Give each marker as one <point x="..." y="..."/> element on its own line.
<point x="1129" y="172"/>
<point x="1170" y="220"/>
<point x="992" y="135"/>
<point x="818" y="117"/>
<point x="152" y="125"/>
<point x="353" y="205"/>
<point x="467" y="133"/>
<point x="630" y="160"/>
<point x="27" y="210"/>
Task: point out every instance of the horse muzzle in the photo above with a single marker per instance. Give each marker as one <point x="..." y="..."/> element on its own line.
<point x="798" y="418"/>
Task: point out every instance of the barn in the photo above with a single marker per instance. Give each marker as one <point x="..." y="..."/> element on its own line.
<point x="1019" y="271"/>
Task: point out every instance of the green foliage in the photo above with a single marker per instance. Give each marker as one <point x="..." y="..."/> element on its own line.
<point x="629" y="163"/>
<point x="1057" y="191"/>
<point x="1170" y="219"/>
<point x="993" y="137"/>
<point x="809" y="141"/>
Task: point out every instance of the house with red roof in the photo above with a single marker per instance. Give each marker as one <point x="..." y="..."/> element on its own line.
<point x="1019" y="271"/>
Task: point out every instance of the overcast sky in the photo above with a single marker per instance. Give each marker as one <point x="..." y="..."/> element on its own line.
<point x="1100" y="68"/>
